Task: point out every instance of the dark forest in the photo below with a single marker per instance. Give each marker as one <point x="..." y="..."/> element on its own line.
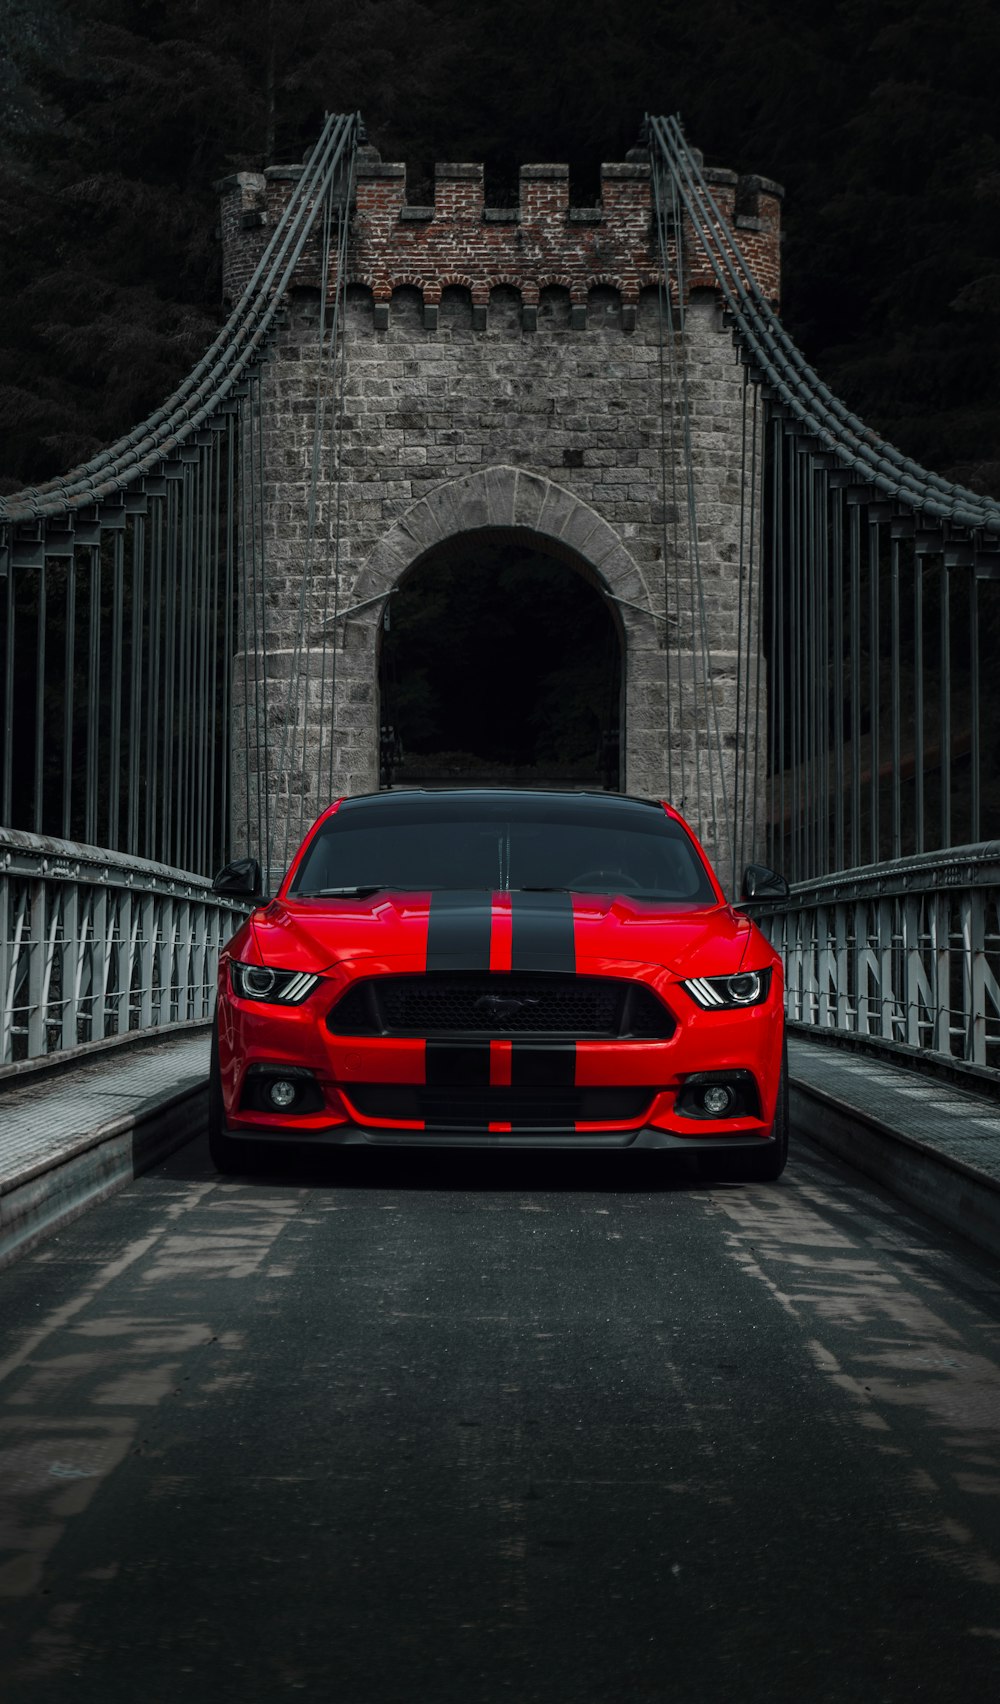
<point x="879" y="117"/>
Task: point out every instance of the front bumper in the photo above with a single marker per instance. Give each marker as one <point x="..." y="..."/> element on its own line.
<point x="389" y="1091"/>
<point x="647" y="1137"/>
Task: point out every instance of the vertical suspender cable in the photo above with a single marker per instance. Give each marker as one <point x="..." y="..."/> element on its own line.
<point x="39" y="775"/>
<point x="69" y="694"/>
<point x="8" y="702"/>
<point x="776" y="683"/>
<point x="855" y="547"/>
<point x="136" y="682"/>
<point x="263" y="827"/>
<point x="874" y="694"/>
<point x="837" y="550"/>
<point x="323" y="711"/>
<point x="330" y="627"/>
<point x="667" y="452"/>
<point x="975" y="823"/>
<point x="739" y="780"/>
<point x="152" y="777"/>
<point x="754" y="647"/>
<point x="688" y="708"/>
<point x="246" y="605"/>
<point x="897" y="803"/>
<point x="93" y="698"/>
<point x="226" y="703"/>
<point x="305" y="575"/>
<point x="323" y="407"/>
<point x="115" y="728"/>
<point x="918" y="700"/>
<point x="944" y="721"/>
<point x="169" y="662"/>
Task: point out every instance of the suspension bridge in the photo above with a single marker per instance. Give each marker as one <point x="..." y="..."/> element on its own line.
<point x="198" y="648"/>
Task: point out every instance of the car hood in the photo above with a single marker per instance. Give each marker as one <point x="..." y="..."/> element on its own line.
<point x="392" y="929"/>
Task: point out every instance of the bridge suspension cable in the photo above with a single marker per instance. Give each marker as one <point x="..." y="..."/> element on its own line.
<point x="874" y="586"/>
<point x="784" y="366"/>
<point x="240" y="343"/>
<point x="132" y="612"/>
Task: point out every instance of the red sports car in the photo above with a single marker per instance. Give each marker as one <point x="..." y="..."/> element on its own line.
<point x="492" y="968"/>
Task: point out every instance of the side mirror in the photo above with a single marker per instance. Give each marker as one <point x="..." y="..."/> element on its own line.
<point x="760" y="883"/>
<point x="239" y="880"/>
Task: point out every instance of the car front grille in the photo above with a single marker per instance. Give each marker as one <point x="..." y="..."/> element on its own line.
<point x="475" y="1109"/>
<point x="590" y="1007"/>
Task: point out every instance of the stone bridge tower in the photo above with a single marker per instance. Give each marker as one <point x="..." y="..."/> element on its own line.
<point x="503" y="381"/>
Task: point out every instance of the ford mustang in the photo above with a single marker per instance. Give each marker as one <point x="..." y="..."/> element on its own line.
<point x="501" y="968"/>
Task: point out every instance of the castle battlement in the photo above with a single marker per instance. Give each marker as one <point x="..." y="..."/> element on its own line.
<point x="543" y="242"/>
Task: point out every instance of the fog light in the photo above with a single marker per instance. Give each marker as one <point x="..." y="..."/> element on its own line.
<point x="282" y="1094"/>
<point x="718" y="1094"/>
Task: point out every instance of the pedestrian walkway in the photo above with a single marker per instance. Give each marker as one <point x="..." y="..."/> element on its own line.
<point x="936" y="1146"/>
<point x="68" y="1139"/>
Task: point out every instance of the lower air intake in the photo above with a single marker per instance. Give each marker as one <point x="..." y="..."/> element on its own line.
<point x="449" y="1109"/>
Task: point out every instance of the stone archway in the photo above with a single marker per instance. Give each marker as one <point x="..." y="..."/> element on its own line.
<point x="501" y="664"/>
<point x="508" y="501"/>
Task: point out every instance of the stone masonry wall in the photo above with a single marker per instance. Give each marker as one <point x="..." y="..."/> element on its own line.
<point x="504" y="372"/>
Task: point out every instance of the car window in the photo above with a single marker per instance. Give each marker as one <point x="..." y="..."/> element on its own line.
<point x="440" y="842"/>
<point x="403" y="855"/>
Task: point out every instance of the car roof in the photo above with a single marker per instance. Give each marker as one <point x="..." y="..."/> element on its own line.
<point x="506" y="798"/>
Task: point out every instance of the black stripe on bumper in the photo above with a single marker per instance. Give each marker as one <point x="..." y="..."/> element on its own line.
<point x="449" y="1065"/>
<point x="533" y="1067"/>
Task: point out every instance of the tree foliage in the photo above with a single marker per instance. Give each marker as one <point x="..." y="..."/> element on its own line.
<point x="116" y="116"/>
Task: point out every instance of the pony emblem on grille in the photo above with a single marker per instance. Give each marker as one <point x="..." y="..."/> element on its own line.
<point x="503" y="1005"/>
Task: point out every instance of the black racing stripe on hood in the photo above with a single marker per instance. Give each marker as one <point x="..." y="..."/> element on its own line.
<point x="542" y="936"/>
<point x="458" y="930"/>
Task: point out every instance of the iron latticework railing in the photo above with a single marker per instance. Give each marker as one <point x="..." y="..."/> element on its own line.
<point x="95" y="946"/>
<point x="908" y="954"/>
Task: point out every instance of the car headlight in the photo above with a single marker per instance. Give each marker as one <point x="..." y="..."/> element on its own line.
<point x="261" y="982"/>
<point x="713" y="993"/>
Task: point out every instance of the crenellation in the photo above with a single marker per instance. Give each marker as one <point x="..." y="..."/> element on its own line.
<point x="393" y="242"/>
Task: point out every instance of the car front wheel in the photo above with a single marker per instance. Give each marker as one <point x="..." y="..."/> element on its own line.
<point x="227" y="1155"/>
<point x="768" y="1166"/>
<point x="745" y="1166"/>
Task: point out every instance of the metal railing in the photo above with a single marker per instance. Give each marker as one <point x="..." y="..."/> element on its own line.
<point x="905" y="953"/>
<point x="95" y="945"/>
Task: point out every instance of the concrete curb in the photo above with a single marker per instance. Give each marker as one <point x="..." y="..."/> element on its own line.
<point x="50" y="1195"/>
<point x="946" y="1189"/>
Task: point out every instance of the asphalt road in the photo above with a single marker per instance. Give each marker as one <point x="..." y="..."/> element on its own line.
<point x="422" y="1429"/>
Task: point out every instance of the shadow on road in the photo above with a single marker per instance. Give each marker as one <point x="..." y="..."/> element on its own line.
<point x="448" y="1169"/>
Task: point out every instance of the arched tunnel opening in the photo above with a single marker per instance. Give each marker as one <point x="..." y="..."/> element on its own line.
<point x="499" y="662"/>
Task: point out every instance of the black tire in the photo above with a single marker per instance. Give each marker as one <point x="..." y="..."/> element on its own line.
<point x="768" y="1166"/>
<point x="745" y="1166"/>
<point x="227" y="1155"/>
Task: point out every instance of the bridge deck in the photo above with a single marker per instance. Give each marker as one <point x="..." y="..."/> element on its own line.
<point x="70" y="1139"/>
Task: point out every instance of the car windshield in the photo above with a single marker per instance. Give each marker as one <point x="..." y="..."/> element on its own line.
<point x="582" y="844"/>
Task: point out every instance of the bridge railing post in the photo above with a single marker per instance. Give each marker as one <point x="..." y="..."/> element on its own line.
<point x="98" y="946"/>
<point x="902" y="956"/>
